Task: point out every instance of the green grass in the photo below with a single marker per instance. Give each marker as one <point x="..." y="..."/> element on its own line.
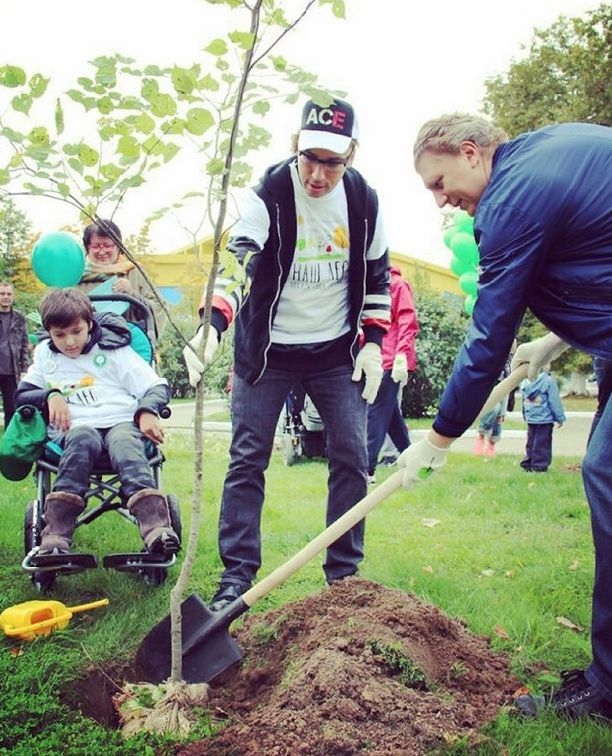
<point x="508" y="553"/>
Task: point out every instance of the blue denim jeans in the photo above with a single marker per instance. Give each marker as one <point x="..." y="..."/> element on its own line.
<point x="83" y="447"/>
<point x="490" y="425"/>
<point x="597" y="479"/>
<point x="384" y="416"/>
<point x="255" y="412"/>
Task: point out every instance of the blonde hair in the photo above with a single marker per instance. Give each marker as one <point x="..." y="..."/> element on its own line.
<point x="446" y="133"/>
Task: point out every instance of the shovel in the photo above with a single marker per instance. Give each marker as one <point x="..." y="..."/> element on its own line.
<point x="208" y="648"/>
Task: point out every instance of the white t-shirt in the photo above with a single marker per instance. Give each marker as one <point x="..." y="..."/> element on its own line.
<point x="101" y="388"/>
<point x="313" y="305"/>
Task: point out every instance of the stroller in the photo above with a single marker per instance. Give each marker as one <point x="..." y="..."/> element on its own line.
<point x="303" y="432"/>
<point x="104" y="494"/>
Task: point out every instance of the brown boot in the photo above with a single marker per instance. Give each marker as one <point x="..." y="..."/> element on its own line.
<point x="150" y="508"/>
<point x="61" y="511"/>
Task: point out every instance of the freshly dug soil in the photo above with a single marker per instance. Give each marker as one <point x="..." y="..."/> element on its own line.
<point x="356" y="669"/>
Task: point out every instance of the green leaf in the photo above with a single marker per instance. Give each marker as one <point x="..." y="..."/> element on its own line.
<point x="182" y="80"/>
<point x="207" y="82"/>
<point x="12" y="76"/>
<point x="215" y="167"/>
<point x="39" y="136"/>
<point x="279" y="63"/>
<point x="110" y="171"/>
<point x="199" y="121"/>
<point x="169" y="151"/>
<point x="63" y="189"/>
<point x="5" y="176"/>
<point x="105" y="105"/>
<point x="242" y="39"/>
<point x="217" y="47"/>
<point x="59" y="116"/>
<point x="22" y="103"/>
<point x="261" y="107"/>
<point x="144" y="123"/>
<point x="128" y="147"/>
<point x="38" y="85"/>
<point x="87" y="155"/>
<point x="163" y="105"/>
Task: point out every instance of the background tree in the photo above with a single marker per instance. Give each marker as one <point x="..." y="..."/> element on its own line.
<point x="565" y="76"/>
<point x="15" y="236"/>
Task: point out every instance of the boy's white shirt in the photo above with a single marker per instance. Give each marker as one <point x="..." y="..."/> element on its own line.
<point x="101" y="388"/>
<point x="313" y="305"/>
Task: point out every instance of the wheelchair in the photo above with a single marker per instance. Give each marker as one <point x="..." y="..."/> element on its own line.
<point x="104" y="495"/>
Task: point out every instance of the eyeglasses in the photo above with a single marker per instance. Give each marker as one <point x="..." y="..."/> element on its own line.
<point x="106" y="246"/>
<point x="330" y="165"/>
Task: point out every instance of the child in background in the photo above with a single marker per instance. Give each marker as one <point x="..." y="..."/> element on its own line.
<point x="98" y="395"/>
<point x="542" y="408"/>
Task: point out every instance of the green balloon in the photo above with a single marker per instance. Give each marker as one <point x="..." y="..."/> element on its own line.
<point x="448" y="236"/>
<point x="459" y="267"/>
<point x="463" y="222"/>
<point x="469" y="303"/>
<point x="58" y="259"/>
<point x="465" y="248"/>
<point x="469" y="282"/>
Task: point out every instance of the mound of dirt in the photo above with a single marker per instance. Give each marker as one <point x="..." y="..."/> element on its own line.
<point x="356" y="669"/>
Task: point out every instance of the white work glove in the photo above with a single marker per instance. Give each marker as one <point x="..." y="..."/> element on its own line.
<point x="538" y="353"/>
<point x="419" y="461"/>
<point x="399" y="371"/>
<point x="195" y="367"/>
<point x="369" y="363"/>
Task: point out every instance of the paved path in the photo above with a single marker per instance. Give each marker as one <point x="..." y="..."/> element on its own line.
<point x="570" y="440"/>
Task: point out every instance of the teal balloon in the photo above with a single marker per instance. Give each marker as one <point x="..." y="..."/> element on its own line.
<point x="469" y="303"/>
<point x="463" y="222"/>
<point x="459" y="267"/>
<point x="448" y="236"/>
<point x="468" y="282"/>
<point x="465" y="248"/>
<point x="58" y="259"/>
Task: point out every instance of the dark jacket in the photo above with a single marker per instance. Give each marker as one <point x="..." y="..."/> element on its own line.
<point x="254" y="306"/>
<point x="19" y="343"/>
<point x="109" y="331"/>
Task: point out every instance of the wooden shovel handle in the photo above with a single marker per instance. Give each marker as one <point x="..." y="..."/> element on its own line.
<point x="324" y="539"/>
<point x="504" y="387"/>
<point x="358" y="511"/>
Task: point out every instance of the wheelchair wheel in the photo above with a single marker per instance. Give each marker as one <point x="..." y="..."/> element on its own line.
<point x="42" y="581"/>
<point x="157" y="575"/>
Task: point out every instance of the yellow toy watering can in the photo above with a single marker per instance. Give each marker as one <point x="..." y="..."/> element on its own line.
<point x="36" y="617"/>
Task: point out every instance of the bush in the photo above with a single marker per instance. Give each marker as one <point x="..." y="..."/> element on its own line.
<point x="172" y="365"/>
<point x="443" y="325"/>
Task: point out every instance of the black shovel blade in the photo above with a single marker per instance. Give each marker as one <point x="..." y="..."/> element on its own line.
<point x="208" y="648"/>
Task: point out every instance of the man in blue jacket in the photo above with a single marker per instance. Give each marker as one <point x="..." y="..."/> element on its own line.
<point x="542" y="208"/>
<point x="311" y="243"/>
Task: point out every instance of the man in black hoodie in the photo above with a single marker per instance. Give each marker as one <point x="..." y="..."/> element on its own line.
<point x="314" y="256"/>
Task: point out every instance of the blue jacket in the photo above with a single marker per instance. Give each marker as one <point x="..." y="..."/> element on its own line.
<point x="544" y="232"/>
<point x="541" y="401"/>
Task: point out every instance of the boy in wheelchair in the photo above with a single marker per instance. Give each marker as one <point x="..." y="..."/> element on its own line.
<point x="98" y="396"/>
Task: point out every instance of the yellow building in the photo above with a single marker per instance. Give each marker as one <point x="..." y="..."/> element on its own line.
<point x="183" y="272"/>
